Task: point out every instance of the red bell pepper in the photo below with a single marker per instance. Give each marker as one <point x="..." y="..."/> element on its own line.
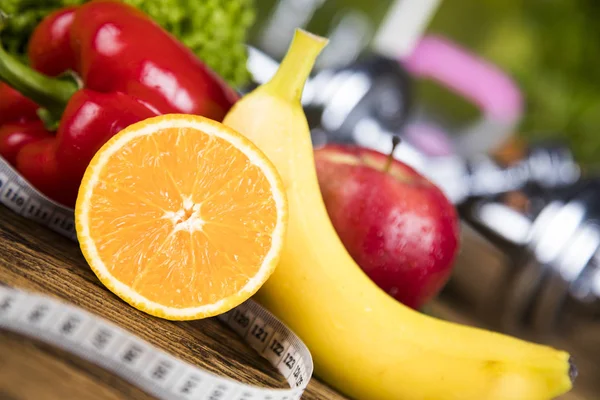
<point x="49" y="47"/>
<point x="130" y="69"/>
<point x="37" y="163"/>
<point x="15" y="135"/>
<point x="14" y="107"/>
<point x="115" y="47"/>
<point x="19" y="123"/>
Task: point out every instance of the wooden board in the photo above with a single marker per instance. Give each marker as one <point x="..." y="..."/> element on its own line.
<point x="35" y="258"/>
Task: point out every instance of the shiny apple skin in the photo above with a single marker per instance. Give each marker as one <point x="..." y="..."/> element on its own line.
<point x="398" y="226"/>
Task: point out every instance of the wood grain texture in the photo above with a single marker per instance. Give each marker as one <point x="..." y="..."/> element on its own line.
<point x="34" y="258"/>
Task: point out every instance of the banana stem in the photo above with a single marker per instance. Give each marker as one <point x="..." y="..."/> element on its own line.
<point x="295" y="68"/>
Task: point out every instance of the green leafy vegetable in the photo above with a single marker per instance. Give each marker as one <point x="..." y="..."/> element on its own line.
<point x="213" y="29"/>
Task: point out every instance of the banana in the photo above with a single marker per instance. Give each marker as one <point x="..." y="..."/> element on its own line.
<point x="364" y="343"/>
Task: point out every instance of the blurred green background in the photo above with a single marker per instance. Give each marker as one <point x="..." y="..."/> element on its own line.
<point x="550" y="47"/>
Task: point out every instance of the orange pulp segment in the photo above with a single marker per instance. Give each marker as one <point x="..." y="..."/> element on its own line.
<point x="181" y="216"/>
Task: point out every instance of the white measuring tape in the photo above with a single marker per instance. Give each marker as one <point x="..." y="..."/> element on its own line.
<point x="135" y="360"/>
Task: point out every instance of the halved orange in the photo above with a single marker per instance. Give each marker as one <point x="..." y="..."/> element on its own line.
<point x="181" y="216"/>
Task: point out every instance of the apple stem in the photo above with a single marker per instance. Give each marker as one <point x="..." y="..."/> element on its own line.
<point x="390" y="158"/>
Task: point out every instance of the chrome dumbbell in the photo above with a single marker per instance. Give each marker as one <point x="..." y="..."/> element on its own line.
<point x="547" y="274"/>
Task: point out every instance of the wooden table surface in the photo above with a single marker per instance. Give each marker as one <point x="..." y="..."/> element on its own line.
<point x="34" y="258"/>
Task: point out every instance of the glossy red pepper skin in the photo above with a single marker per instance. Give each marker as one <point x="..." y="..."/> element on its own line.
<point x="14" y="106"/>
<point x="117" y="48"/>
<point x="15" y="135"/>
<point x="49" y="48"/>
<point x="37" y="164"/>
<point x="19" y="123"/>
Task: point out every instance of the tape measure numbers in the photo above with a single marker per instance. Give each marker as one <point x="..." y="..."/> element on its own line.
<point x="18" y="195"/>
<point x="115" y="349"/>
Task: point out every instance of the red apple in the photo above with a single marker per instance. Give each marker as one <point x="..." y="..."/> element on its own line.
<point x="397" y="225"/>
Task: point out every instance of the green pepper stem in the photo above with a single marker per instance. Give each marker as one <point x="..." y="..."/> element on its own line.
<point x="50" y="93"/>
<point x="295" y="68"/>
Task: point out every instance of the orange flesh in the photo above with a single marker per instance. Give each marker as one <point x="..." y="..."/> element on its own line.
<point x="182" y="217"/>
